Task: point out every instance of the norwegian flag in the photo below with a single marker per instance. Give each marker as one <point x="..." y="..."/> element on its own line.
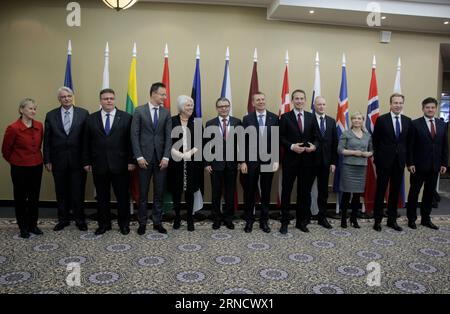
<point x="373" y="111"/>
<point x="341" y="125"/>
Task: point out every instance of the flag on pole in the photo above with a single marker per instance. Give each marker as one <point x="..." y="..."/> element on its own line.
<point x="373" y="111"/>
<point x="226" y="84"/>
<point x="196" y="87"/>
<point x="166" y="78"/>
<point x="254" y="88"/>
<point x="398" y="89"/>
<point x="105" y="83"/>
<point x="342" y="123"/>
<point x="131" y="103"/>
<point x="196" y="95"/>
<point x="68" y="74"/>
<point x="285" y="106"/>
<point x="316" y="92"/>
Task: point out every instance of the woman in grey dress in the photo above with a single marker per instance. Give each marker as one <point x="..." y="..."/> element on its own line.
<point x="356" y="146"/>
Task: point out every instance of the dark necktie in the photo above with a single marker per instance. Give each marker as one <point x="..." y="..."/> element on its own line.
<point x="107" y="124"/>
<point x="155" y="117"/>
<point x="224" y="128"/>
<point x="433" y="129"/>
<point x="299" y="122"/>
<point x="322" y="126"/>
<point x="397" y="128"/>
<point x="66" y="121"/>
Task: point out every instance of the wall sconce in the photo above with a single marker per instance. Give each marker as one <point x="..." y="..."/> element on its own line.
<point x="119" y="4"/>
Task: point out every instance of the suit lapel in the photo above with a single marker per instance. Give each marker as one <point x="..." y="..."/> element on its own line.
<point x="59" y="121"/>
<point x="424" y="126"/>
<point x="293" y="118"/>
<point x="74" y="120"/>
<point x="100" y="123"/>
<point x="390" y="126"/>
<point x="116" y="122"/>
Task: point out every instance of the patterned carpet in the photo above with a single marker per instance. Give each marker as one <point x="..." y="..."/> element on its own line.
<point x="227" y="261"/>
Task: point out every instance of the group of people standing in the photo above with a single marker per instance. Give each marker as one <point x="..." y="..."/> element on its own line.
<point x="111" y="144"/>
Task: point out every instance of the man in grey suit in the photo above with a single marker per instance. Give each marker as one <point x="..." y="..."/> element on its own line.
<point x="150" y="137"/>
<point x="63" y="139"/>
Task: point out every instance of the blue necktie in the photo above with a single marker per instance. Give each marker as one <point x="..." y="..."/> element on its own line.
<point x="155" y="118"/>
<point x="67" y="122"/>
<point x="322" y="126"/>
<point x="261" y="123"/>
<point x="107" y="124"/>
<point x="397" y="128"/>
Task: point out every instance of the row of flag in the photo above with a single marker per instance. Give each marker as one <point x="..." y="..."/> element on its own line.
<point x="342" y="117"/>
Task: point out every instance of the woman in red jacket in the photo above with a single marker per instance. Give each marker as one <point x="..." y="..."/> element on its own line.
<point x="22" y="149"/>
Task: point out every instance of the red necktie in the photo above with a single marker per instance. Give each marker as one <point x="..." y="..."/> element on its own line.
<point x="433" y="129"/>
<point x="299" y="121"/>
<point x="224" y="128"/>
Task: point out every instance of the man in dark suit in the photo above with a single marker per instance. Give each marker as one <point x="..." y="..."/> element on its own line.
<point x="107" y="154"/>
<point x="389" y="140"/>
<point x="261" y="120"/>
<point x="150" y="136"/>
<point x="223" y="169"/>
<point x="326" y="157"/>
<point x="299" y="137"/>
<point x="63" y="137"/>
<point x="427" y="157"/>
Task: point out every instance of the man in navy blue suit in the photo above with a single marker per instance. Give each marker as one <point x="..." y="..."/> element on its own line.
<point x="427" y="157"/>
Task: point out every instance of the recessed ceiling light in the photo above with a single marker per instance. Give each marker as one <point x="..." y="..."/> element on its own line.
<point x="446" y="22"/>
<point x="311" y="11"/>
<point x="383" y="17"/>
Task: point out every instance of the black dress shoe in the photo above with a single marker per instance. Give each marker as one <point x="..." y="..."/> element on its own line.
<point x="394" y="226"/>
<point x="429" y="224"/>
<point x="412" y="225"/>
<point x="159" y="228"/>
<point x="124" y="230"/>
<point x="24" y="234"/>
<point x="141" y="229"/>
<point x="248" y="227"/>
<point x="264" y="227"/>
<point x="303" y="228"/>
<point x="377" y="227"/>
<point x="283" y="228"/>
<point x="354" y="223"/>
<point x="108" y="227"/>
<point x="324" y="223"/>
<point x="35" y="230"/>
<point x="60" y="226"/>
<point x="216" y="225"/>
<point x="82" y="226"/>
<point x="190" y="226"/>
<point x="177" y="223"/>
<point x="229" y="225"/>
<point x="100" y="230"/>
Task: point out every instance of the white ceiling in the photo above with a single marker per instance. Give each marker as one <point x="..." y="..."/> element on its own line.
<point x="426" y="16"/>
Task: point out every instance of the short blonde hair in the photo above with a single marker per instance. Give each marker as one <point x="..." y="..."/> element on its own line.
<point x="354" y="115"/>
<point x="24" y="102"/>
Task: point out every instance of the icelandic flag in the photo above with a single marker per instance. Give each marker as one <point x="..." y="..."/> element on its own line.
<point x="342" y="123"/>
<point x="226" y="84"/>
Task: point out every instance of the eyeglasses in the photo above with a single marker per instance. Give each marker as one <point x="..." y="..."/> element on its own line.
<point x="65" y="96"/>
<point x="223" y="107"/>
<point x="108" y="98"/>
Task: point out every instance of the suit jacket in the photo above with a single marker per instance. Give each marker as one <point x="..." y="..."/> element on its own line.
<point x="252" y="120"/>
<point x="61" y="150"/>
<point x="385" y="146"/>
<point x="222" y="165"/>
<point x="147" y="140"/>
<point x="425" y="153"/>
<point x="290" y="134"/>
<point x="107" y="153"/>
<point x="326" y="153"/>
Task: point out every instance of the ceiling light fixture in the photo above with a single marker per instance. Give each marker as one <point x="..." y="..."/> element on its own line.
<point x="119" y="4"/>
<point x="311" y="11"/>
<point x="383" y="17"/>
<point x="446" y="22"/>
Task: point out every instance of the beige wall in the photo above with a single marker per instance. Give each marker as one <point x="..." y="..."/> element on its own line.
<point x="34" y="35"/>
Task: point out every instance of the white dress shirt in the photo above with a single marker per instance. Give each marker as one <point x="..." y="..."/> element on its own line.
<point x="393" y="115"/>
<point x="112" y="114"/>
<point x="302" y="117"/>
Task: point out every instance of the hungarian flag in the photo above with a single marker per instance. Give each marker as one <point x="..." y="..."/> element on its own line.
<point x="166" y="78"/>
<point x="373" y="111"/>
